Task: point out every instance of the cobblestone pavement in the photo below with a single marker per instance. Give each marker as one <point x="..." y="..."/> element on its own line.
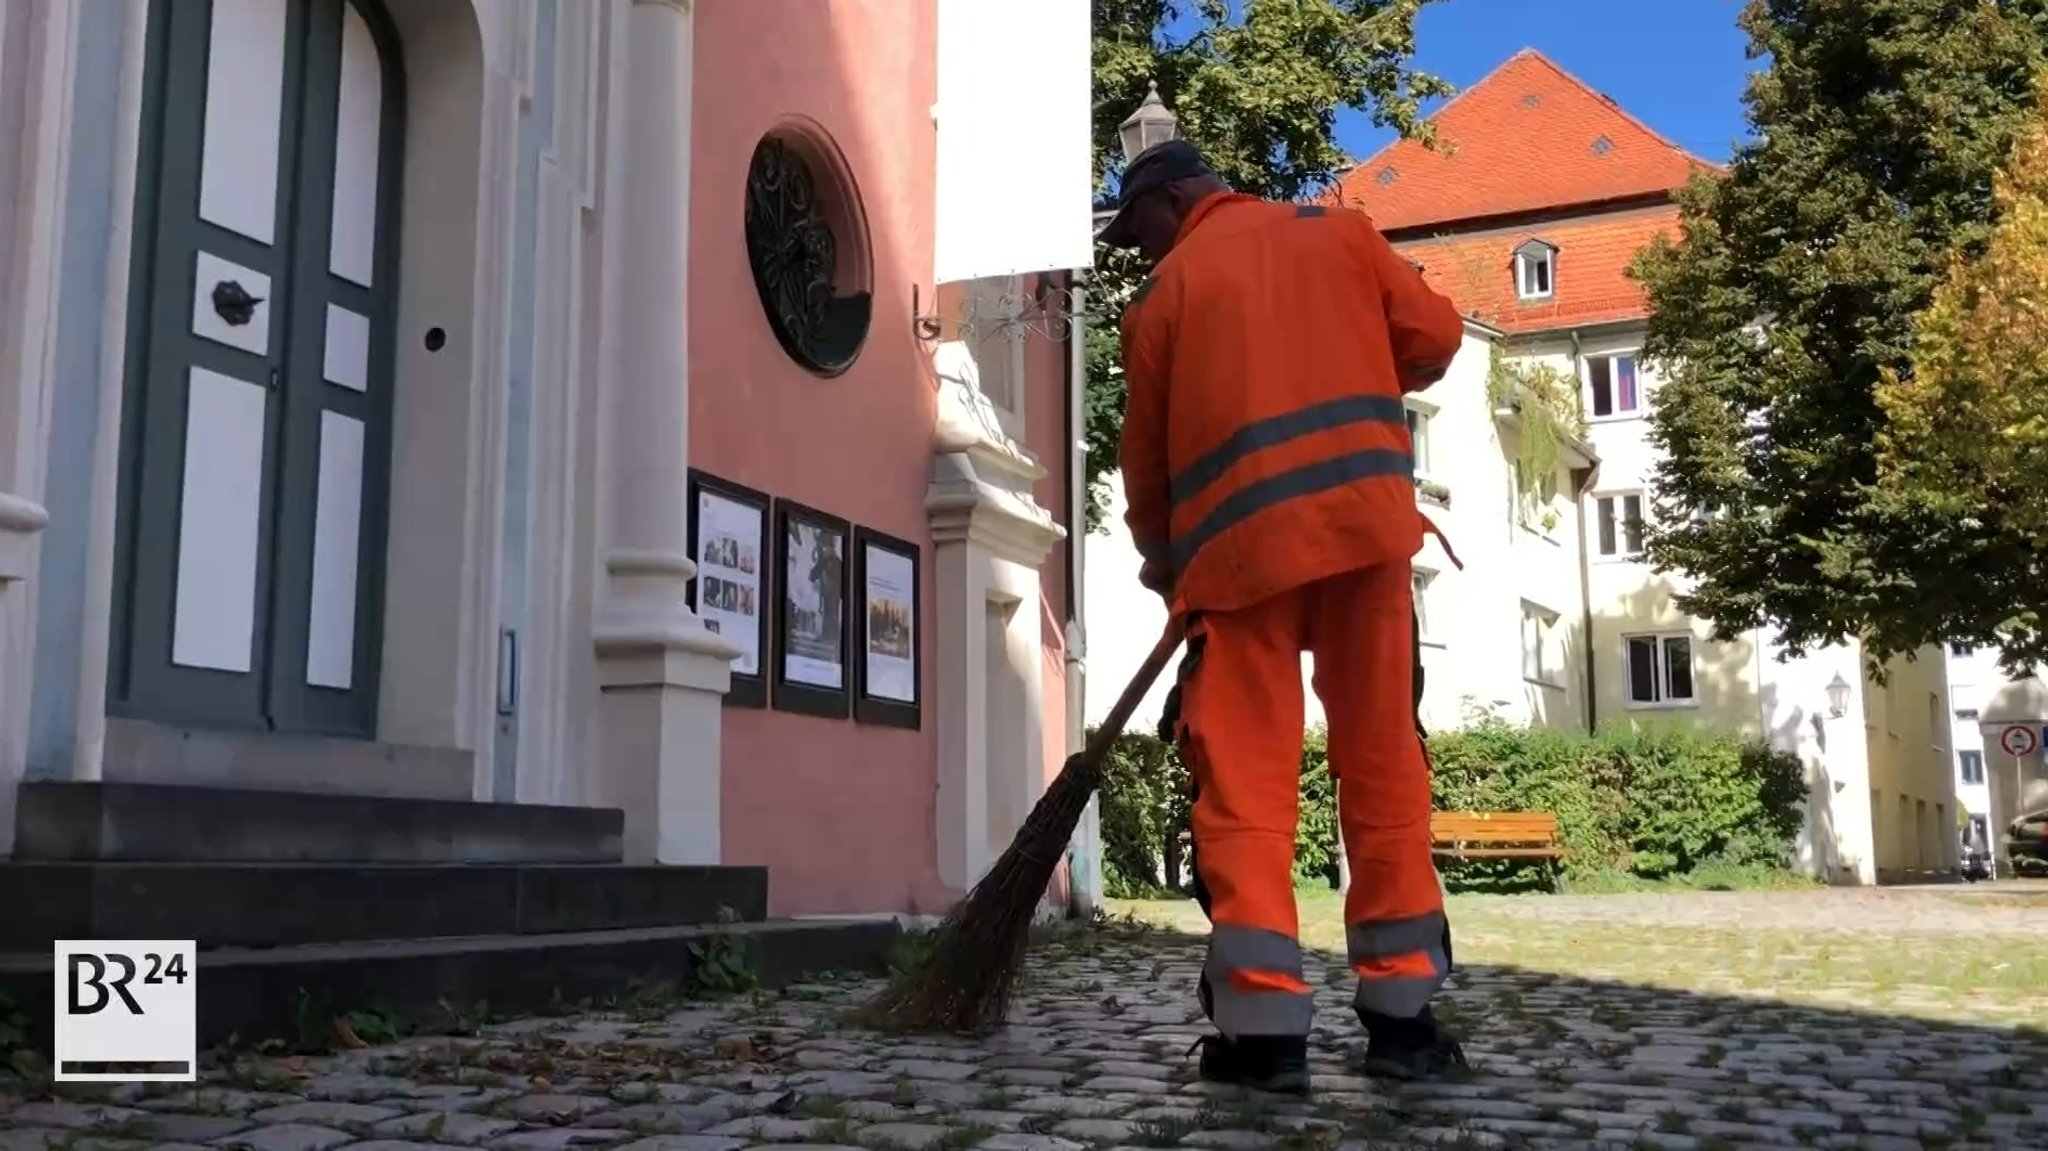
<point x="1096" y="1057"/>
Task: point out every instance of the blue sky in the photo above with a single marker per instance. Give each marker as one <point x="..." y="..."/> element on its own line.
<point x="1677" y="65"/>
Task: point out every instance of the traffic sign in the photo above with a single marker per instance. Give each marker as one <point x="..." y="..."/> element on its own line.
<point x="2018" y="740"/>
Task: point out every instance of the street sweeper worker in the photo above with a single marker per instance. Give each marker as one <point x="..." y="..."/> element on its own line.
<point x="1268" y="470"/>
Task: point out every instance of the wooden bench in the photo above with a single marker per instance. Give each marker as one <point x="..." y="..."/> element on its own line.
<point x="1499" y="835"/>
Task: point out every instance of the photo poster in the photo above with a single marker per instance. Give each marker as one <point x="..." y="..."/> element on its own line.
<point x="891" y="648"/>
<point x="814" y="608"/>
<point x="729" y="570"/>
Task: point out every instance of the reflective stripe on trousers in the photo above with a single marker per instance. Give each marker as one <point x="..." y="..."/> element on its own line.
<point x="1254" y="984"/>
<point x="1400" y="964"/>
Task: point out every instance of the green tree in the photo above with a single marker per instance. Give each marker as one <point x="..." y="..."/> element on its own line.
<point x="1878" y="127"/>
<point x="1257" y="85"/>
<point x="1968" y="428"/>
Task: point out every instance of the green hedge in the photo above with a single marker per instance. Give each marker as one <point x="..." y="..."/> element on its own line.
<point x="1655" y="802"/>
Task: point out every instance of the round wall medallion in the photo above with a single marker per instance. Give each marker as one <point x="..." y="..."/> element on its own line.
<point x="807" y="249"/>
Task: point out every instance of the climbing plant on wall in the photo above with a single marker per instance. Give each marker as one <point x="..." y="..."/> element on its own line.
<point x="1545" y="400"/>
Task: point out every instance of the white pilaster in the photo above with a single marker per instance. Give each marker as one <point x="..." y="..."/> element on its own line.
<point x="20" y="520"/>
<point x="660" y="672"/>
<point x="989" y="539"/>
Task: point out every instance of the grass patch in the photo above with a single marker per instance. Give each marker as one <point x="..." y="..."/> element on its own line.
<point x="1967" y="979"/>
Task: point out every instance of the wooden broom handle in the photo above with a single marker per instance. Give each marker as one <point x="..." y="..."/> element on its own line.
<point x="1112" y="726"/>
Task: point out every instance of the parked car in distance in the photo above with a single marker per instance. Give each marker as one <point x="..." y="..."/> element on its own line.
<point x="2026" y="843"/>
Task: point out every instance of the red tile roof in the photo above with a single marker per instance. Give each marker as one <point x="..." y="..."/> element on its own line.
<point x="1530" y="137"/>
<point x="1590" y="274"/>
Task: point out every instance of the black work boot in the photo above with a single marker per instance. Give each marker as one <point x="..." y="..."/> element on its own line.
<point x="1417" y="1048"/>
<point x="1277" y="1063"/>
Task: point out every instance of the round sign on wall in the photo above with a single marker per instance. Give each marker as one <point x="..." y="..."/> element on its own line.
<point x="2018" y="740"/>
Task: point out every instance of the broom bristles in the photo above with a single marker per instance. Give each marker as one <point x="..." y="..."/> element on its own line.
<point x="965" y="984"/>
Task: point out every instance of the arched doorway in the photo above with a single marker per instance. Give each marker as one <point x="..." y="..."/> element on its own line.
<point x="257" y="424"/>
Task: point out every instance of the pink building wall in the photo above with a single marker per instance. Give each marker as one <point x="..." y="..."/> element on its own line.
<point x="841" y="813"/>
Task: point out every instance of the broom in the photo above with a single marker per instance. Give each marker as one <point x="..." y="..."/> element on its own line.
<point x="963" y="985"/>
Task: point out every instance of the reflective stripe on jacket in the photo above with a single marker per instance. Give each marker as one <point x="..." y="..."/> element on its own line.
<point x="1265" y="442"/>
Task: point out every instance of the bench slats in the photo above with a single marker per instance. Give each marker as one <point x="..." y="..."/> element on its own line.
<point x="1496" y="835"/>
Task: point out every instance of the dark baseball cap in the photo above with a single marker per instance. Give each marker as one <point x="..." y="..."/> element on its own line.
<point x="1152" y="169"/>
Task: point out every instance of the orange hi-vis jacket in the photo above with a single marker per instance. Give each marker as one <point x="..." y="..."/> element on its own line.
<point x="1265" y="442"/>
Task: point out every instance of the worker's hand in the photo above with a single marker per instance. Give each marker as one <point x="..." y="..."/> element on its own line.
<point x="1156" y="577"/>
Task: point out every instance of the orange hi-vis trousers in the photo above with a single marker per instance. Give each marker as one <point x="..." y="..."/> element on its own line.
<point x="1240" y="733"/>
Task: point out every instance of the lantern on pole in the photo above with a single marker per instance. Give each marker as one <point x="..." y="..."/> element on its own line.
<point x="1838" y="696"/>
<point x="1151" y="125"/>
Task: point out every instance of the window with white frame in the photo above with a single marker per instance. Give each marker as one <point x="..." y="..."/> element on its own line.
<point x="1612" y="387"/>
<point x="1418" y="438"/>
<point x="1962" y="650"/>
<point x="1618" y="525"/>
<point x="1658" y="670"/>
<point x="1971" y="765"/>
<point x="1419" y="579"/>
<point x="1539" y="664"/>
<point x="1535" y="271"/>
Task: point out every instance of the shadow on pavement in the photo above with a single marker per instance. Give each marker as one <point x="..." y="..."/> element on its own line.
<point x="1563" y="1061"/>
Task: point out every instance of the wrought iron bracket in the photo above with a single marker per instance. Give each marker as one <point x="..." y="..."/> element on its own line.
<point x="1045" y="311"/>
<point x="930" y="327"/>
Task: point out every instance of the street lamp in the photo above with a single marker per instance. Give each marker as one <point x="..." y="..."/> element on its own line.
<point x="1838" y="696"/>
<point x="1151" y="125"/>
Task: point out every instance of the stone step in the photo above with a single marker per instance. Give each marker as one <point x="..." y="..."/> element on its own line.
<point x="141" y="751"/>
<point x="241" y="905"/>
<point x="254" y="995"/>
<point x="170" y="823"/>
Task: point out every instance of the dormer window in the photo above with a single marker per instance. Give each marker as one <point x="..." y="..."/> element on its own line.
<point x="1535" y="270"/>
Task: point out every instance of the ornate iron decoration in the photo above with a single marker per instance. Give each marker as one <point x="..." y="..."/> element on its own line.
<point x="1046" y="312"/>
<point x="794" y="258"/>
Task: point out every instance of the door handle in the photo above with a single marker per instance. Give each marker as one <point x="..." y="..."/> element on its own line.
<point x="233" y="303"/>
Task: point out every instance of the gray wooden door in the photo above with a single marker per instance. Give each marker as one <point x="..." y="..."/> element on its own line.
<point x="255" y="464"/>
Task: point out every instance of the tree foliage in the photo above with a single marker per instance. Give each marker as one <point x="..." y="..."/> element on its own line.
<point x="1256" y="84"/>
<point x="1968" y="427"/>
<point x="1878" y="127"/>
